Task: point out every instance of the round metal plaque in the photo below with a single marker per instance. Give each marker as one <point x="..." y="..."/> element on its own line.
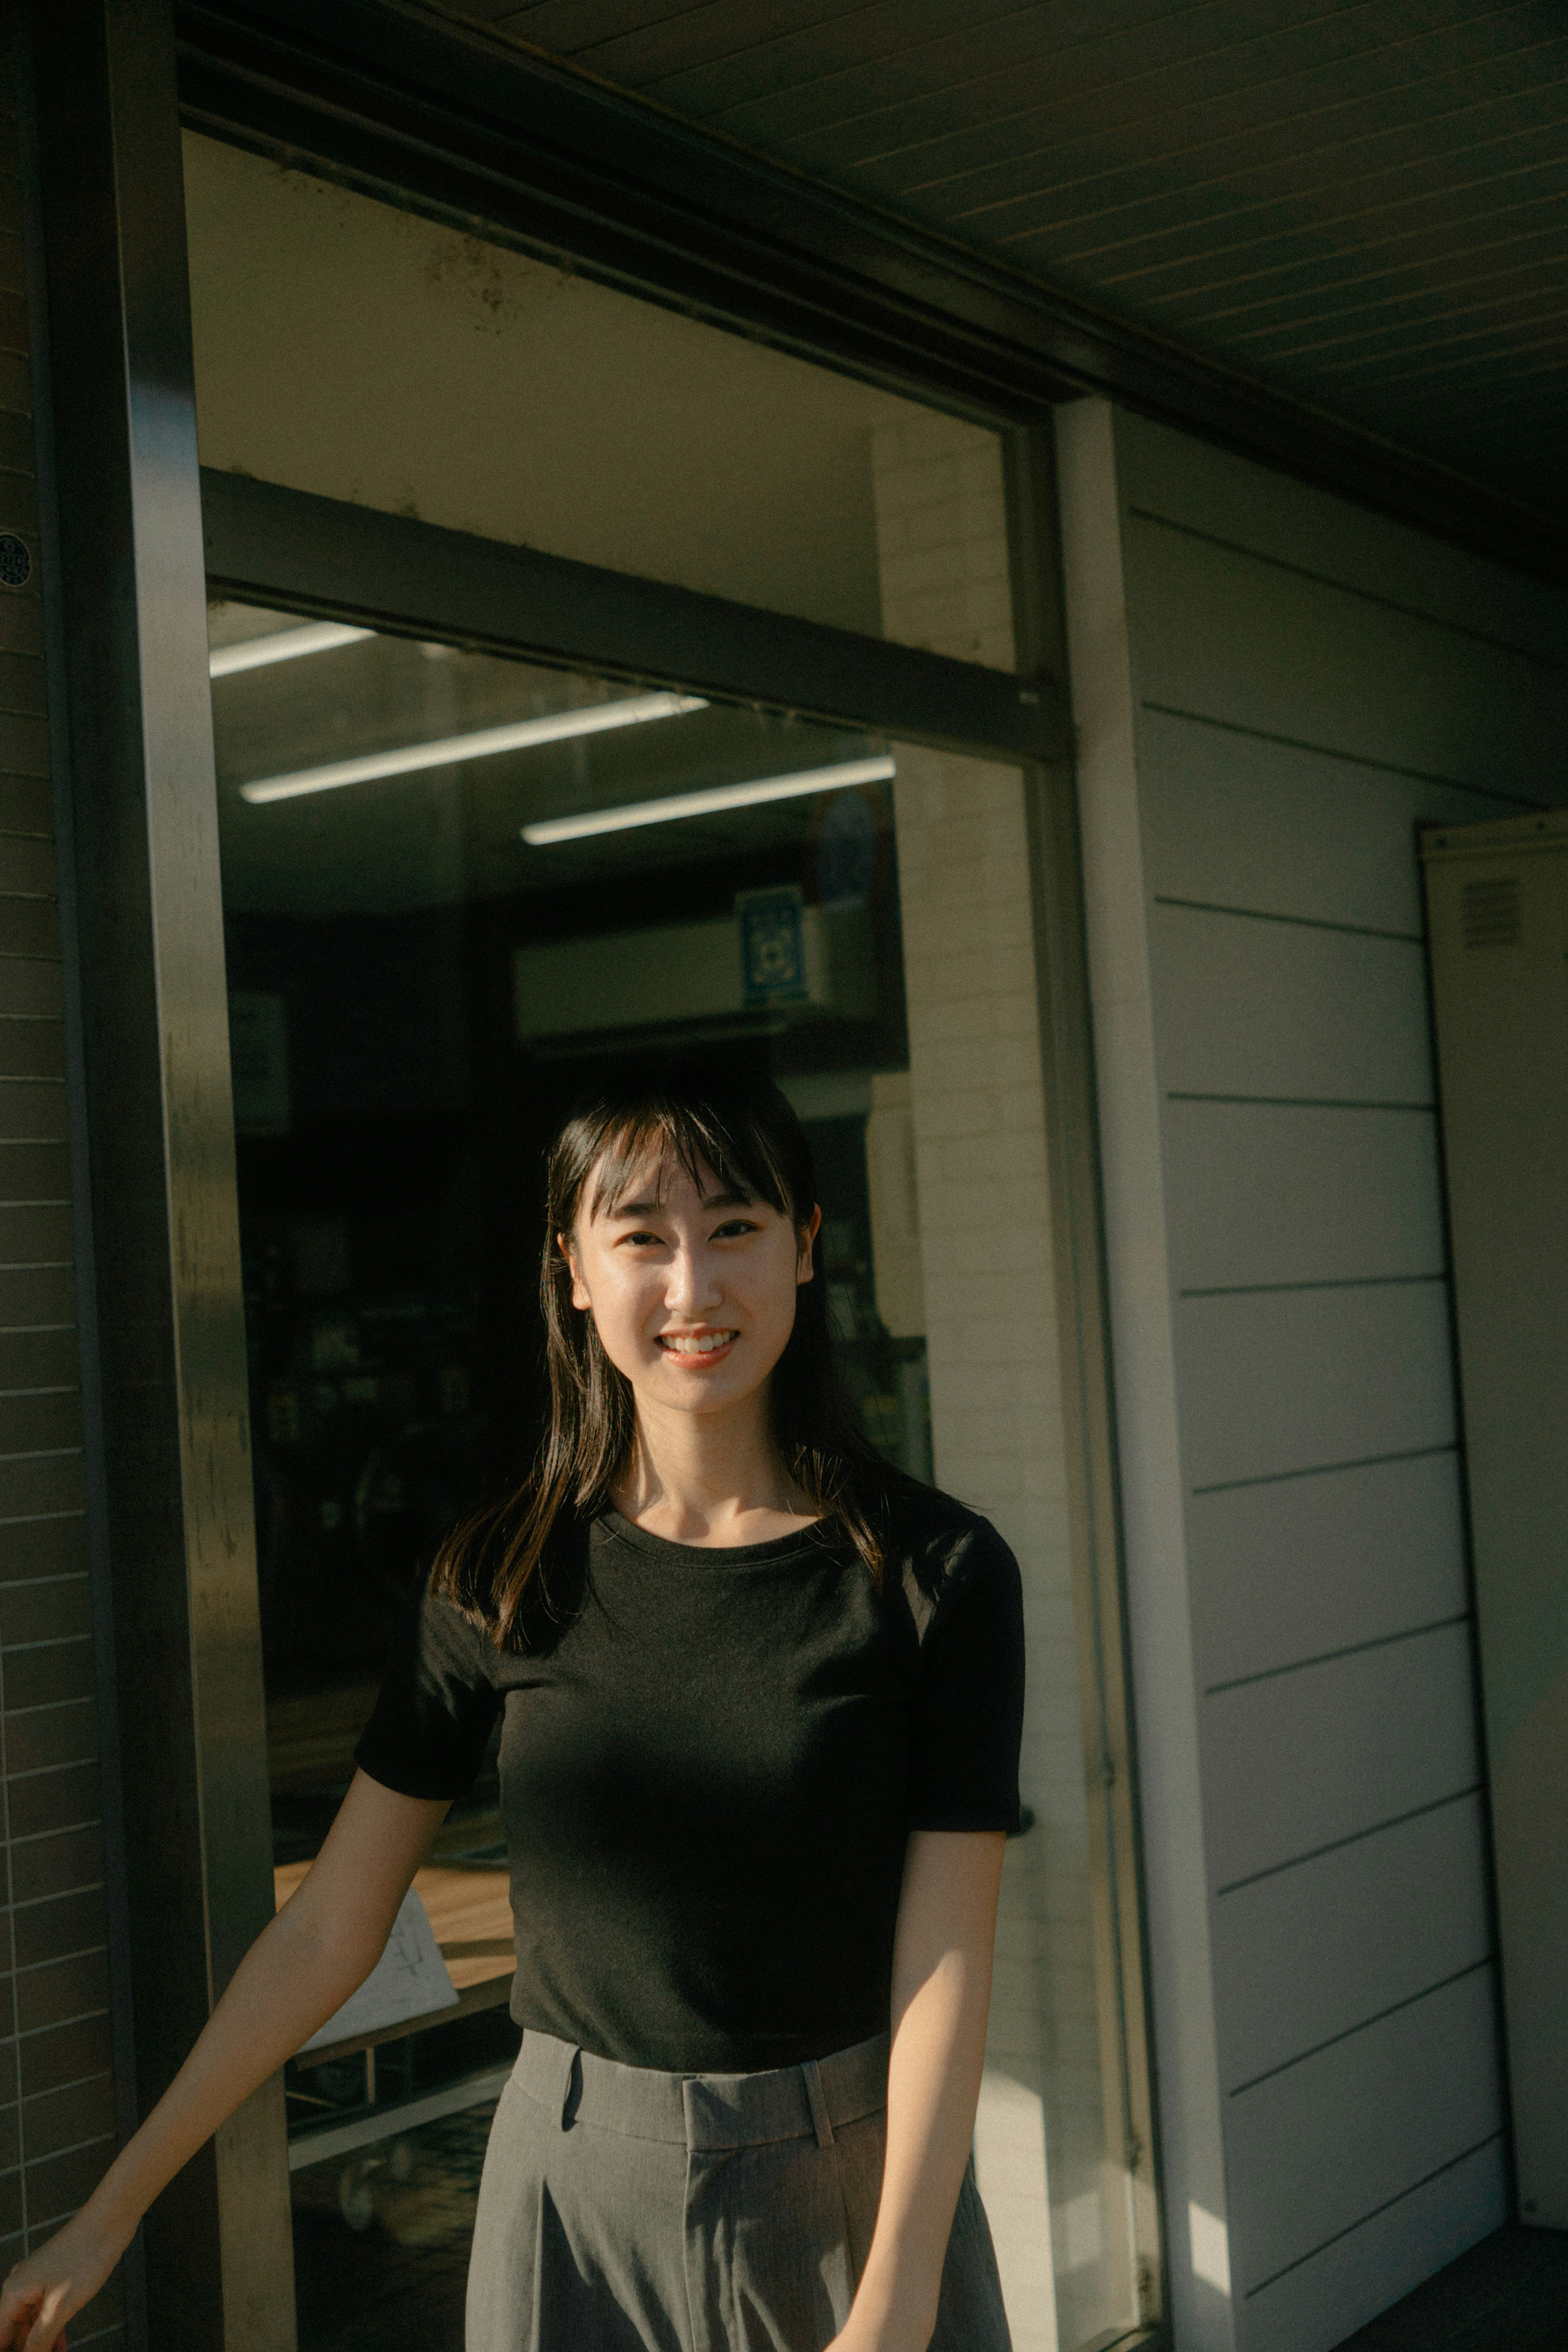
<point x="15" y="563"/>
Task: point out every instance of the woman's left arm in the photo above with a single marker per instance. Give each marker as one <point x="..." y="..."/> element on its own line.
<point x="941" y="1993"/>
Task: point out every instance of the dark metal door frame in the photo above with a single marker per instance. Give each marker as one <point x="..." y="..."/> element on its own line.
<point x="129" y="598"/>
<point x="169" y="1481"/>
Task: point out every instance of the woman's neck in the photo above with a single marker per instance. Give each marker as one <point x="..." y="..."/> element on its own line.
<point x="709" y="1480"/>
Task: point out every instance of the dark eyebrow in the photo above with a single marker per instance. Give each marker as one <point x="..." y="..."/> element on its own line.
<point x="651" y="1208"/>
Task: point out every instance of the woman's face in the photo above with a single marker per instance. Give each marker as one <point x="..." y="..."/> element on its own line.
<point x="692" y="1288"/>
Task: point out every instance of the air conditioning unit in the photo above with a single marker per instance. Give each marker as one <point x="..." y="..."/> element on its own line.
<point x="617" y="984"/>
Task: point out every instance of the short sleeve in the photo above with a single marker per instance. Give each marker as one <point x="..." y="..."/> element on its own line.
<point x="437" y="1707"/>
<point x="968" y="1706"/>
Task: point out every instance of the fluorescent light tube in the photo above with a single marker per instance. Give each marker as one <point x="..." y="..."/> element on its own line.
<point x="704" y="803"/>
<point x="283" y="644"/>
<point x="594" y="718"/>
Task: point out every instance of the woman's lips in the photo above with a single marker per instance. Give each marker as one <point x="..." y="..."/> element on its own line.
<point x="696" y="1350"/>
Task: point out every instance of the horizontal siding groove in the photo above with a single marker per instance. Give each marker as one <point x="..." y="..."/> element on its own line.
<point x="1356" y="1837"/>
<point x="65" y="1829"/>
<point x="1365" y="2026"/>
<point x="1387" y="2206"/>
<point x="57" y="1960"/>
<point x="9" y="1081"/>
<point x="66" y="1640"/>
<point x="78" y="2083"/>
<point x="39" y="1452"/>
<point x="34" y="1264"/>
<point x="62" y="1764"/>
<point x="41" y="1518"/>
<point x="68" y="1388"/>
<point x="1290" y="1102"/>
<point x="1348" y="759"/>
<point x="83" y="2017"/>
<point x="78" y="2147"/>
<point x="1337" y="1282"/>
<point x="32" y="1330"/>
<point x="56" y="1894"/>
<point x="25" y="955"/>
<point x="1347" y="588"/>
<point x="47" y="1705"/>
<point x="1317" y="1469"/>
<point x="1238" y="1682"/>
<point x="1240" y="914"/>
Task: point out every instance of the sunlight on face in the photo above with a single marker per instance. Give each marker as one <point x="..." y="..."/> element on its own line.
<point x="692" y="1288"/>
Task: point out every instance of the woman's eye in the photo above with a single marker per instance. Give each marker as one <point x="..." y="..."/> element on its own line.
<point x="737" y="1226"/>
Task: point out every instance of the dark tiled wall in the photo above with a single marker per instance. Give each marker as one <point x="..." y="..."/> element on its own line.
<point x="56" y="2104"/>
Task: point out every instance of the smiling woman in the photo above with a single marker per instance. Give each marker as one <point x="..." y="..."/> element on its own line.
<point x="761" y="1699"/>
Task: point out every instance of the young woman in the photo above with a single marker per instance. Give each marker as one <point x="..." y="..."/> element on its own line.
<point x="760" y="1704"/>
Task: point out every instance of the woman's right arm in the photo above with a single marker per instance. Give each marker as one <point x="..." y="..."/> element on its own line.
<point x="320" y="1948"/>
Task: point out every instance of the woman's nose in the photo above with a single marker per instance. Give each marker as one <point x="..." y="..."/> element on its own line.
<point x="691" y="1288"/>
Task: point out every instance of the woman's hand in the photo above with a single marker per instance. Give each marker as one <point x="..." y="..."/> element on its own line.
<point x="50" y="2286"/>
<point x="941" y="1991"/>
<point x="321" y="1947"/>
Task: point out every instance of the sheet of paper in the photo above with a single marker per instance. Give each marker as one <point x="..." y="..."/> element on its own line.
<point x="410" y="1979"/>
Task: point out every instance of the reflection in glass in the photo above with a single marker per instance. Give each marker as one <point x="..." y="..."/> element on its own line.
<point x="426" y="965"/>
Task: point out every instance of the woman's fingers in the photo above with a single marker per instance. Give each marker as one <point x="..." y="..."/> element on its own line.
<point x="18" y="2309"/>
<point x="32" y="2315"/>
<point x="47" y="2333"/>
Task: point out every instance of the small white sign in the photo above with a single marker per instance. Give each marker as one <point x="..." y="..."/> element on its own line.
<point x="410" y="1979"/>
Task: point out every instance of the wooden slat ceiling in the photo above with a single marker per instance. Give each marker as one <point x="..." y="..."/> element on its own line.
<point x="1366" y="204"/>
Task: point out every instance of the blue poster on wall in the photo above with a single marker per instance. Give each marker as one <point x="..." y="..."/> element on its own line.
<point x="773" y="945"/>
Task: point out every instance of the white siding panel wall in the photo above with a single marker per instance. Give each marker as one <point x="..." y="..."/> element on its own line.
<point x="1273" y="688"/>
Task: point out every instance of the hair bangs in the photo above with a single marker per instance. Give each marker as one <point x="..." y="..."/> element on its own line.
<point x="694" y="1138"/>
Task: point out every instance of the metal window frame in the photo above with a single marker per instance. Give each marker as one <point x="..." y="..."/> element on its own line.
<point x="154" y="1076"/>
<point x="270" y="544"/>
<point x="292" y="549"/>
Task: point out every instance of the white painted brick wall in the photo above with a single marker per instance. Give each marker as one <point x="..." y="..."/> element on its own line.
<point x="986" y="1252"/>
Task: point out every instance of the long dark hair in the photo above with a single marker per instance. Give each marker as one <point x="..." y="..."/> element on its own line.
<point x="745" y="1130"/>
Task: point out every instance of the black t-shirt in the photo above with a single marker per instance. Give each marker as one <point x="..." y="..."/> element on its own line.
<point x="710" y="1759"/>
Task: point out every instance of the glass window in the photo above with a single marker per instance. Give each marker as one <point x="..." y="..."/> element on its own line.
<point x="349" y="348"/>
<point x="453" y="884"/>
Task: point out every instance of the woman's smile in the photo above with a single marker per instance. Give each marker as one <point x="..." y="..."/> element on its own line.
<point x="696" y="1349"/>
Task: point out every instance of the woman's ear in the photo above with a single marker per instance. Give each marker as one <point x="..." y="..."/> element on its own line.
<point x="808" y="1231"/>
<point x="578" y="1288"/>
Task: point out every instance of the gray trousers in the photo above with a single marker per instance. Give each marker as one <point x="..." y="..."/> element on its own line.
<point x="627" y="2211"/>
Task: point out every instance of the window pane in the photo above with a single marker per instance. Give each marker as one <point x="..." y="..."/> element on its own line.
<point x="453" y="885"/>
<point x="347" y="348"/>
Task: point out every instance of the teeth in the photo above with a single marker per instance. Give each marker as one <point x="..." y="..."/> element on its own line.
<point x="702" y="1345"/>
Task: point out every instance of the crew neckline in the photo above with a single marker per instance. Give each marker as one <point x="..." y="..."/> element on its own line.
<point x="709" y="1556"/>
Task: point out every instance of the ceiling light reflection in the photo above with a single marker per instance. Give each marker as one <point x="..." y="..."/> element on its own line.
<point x="708" y="801"/>
<point x="283" y="644"/>
<point x="593" y="718"/>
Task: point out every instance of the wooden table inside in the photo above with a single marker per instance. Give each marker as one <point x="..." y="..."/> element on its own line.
<point x="471" y="1916"/>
